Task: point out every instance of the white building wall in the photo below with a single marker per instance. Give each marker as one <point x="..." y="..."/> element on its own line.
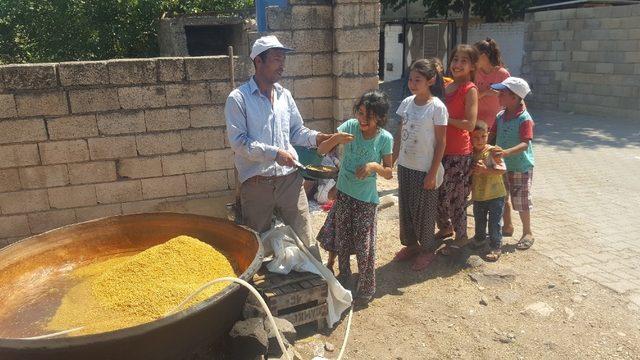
<point x="392" y="52"/>
<point x="510" y="39"/>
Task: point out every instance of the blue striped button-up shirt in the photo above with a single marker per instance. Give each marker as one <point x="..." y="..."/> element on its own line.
<point x="257" y="129"/>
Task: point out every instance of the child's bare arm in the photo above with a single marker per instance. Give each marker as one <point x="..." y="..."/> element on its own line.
<point x="470" y="112"/>
<point x="335" y="139"/>
<point x="385" y="169"/>
<point x="522" y="146"/>
<point x="397" y="140"/>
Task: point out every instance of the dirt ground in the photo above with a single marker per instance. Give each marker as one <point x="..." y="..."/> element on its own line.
<point x="522" y="307"/>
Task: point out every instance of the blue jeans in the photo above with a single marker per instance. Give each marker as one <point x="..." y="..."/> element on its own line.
<point x="491" y="209"/>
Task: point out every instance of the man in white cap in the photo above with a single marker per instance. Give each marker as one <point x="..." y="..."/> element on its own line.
<point x="263" y="124"/>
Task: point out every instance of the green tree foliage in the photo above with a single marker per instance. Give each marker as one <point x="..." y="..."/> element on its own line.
<point x="490" y="10"/>
<point x="68" y="30"/>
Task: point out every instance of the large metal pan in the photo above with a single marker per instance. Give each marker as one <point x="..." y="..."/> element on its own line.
<point x="28" y="267"/>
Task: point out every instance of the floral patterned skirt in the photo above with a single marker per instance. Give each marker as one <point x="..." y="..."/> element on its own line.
<point x="350" y="228"/>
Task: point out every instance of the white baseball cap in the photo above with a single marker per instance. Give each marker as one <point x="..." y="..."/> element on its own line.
<point x="265" y="43"/>
<point x="517" y="85"/>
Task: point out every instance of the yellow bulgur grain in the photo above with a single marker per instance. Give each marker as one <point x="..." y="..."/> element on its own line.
<point x="131" y="290"/>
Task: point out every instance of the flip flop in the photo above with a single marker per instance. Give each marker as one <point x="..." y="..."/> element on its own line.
<point x="454" y="247"/>
<point x="406" y="253"/>
<point x="423" y="261"/>
<point x="526" y="241"/>
<point x="493" y="255"/>
<point x="441" y="235"/>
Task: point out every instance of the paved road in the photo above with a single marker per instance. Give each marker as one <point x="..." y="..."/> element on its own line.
<point x="587" y="197"/>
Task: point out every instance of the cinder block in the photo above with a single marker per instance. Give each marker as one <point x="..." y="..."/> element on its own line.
<point x="166" y="119"/>
<point x="112" y="147"/>
<point x="14" y="226"/>
<point x="365" y="39"/>
<point x="220" y="91"/>
<point x="22" y="130"/>
<point x="140" y="167"/>
<point x="345" y="63"/>
<point x="162" y="143"/>
<point x="287" y="83"/>
<point x="299" y="65"/>
<point x="72" y="196"/>
<point x="579" y="55"/>
<point x="19" y="155"/>
<point x="132" y="71"/>
<point x="206" y="116"/>
<point x="324" y="126"/>
<point x="350" y="88"/>
<point x="207" y="182"/>
<point x="44" y="221"/>
<point x="44" y="176"/>
<point x="322" y="108"/>
<point x="7" y="106"/>
<point x="346" y="16"/>
<point x="91" y="100"/>
<point x="28" y="76"/>
<point x="305" y="107"/>
<point x="121" y="122"/>
<point x="83" y="73"/>
<point x="43" y="103"/>
<point x="313" y="87"/>
<point x="119" y="192"/>
<point x="170" y="69"/>
<point x="343" y="109"/>
<point x="368" y="63"/>
<point x="311" y="17"/>
<point x="187" y="94"/>
<point x="92" y="172"/>
<point x="64" y="151"/>
<point x="202" y="139"/>
<point x="97" y="212"/>
<point x="207" y="68"/>
<point x="278" y="18"/>
<point x="370" y="14"/>
<point x="72" y="127"/>
<point x="322" y="64"/>
<point x="232" y="179"/>
<point x="219" y="159"/>
<point x="604" y="68"/>
<point x="163" y="187"/>
<point x="142" y="97"/>
<point x="183" y="163"/>
<point x="313" y="41"/>
<point x="139" y="207"/>
<point x="9" y="180"/>
<point x="632" y="57"/>
<point x="24" y="201"/>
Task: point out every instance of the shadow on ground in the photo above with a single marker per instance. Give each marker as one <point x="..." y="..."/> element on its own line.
<point x="569" y="131"/>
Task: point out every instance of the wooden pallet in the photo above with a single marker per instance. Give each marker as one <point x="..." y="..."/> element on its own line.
<point x="300" y="298"/>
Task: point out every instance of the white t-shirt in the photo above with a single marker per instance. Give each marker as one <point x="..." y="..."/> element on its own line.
<point x="418" y="138"/>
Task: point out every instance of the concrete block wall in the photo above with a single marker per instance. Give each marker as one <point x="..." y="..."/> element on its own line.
<point x="336" y="57"/>
<point x="585" y="60"/>
<point x="84" y="140"/>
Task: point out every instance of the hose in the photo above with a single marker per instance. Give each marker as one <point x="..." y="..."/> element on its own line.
<point x="253" y="291"/>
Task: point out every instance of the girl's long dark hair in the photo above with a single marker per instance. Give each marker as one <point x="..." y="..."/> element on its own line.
<point x="429" y="69"/>
<point x="490" y="48"/>
<point x="471" y="52"/>
<point x="375" y="103"/>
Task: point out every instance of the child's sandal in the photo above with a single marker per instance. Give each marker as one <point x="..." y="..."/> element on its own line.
<point x="493" y="255"/>
<point x="526" y="241"/>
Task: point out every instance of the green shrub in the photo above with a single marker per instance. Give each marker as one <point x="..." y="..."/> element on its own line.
<point x="68" y="30"/>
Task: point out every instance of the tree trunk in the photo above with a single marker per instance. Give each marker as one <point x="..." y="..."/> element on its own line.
<point x="466" y="5"/>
